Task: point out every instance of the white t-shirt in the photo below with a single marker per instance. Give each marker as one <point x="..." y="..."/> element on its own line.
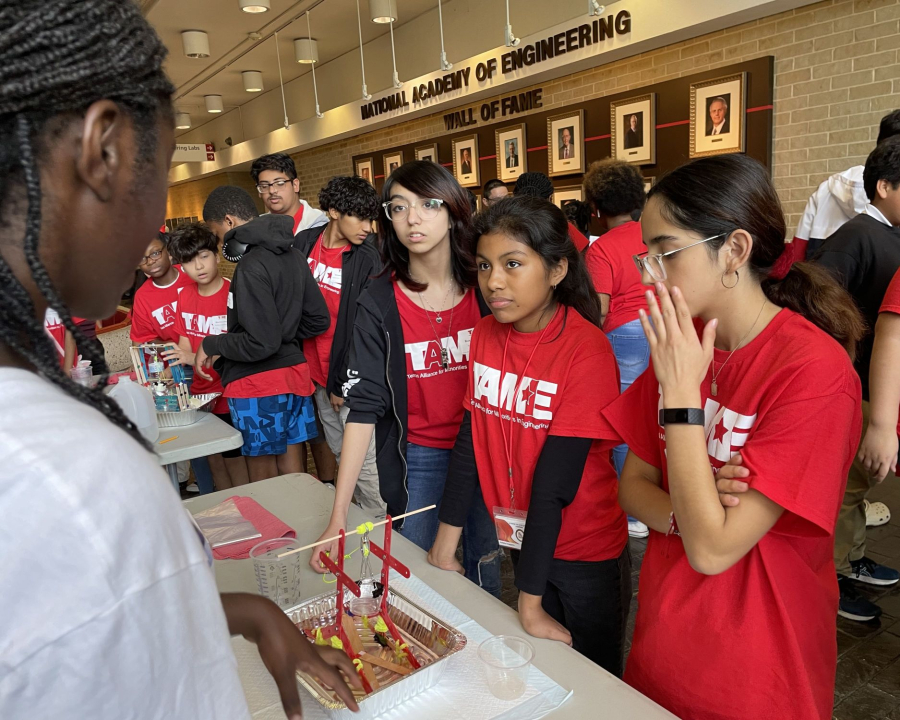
<point x="109" y="609"/>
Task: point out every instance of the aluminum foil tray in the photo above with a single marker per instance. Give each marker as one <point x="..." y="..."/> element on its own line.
<point x="187" y="417"/>
<point x="432" y="642"/>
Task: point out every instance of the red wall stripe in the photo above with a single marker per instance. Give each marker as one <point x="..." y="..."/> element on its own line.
<point x="598" y="137"/>
<point x="761" y="107"/>
<point x="673" y="124"/>
<point x="535" y="149"/>
<point x="488" y="157"/>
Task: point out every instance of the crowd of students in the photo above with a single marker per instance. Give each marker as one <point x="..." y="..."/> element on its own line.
<point x="491" y="364"/>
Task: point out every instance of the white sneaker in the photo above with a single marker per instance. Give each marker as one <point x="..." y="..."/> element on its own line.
<point x="877" y="513"/>
<point x="192" y="488"/>
<point x="637" y="529"/>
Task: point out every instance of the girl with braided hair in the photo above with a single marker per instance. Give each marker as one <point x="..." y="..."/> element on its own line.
<point x="109" y="598"/>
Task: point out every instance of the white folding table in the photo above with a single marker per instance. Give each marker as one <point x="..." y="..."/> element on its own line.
<point x="205" y="437"/>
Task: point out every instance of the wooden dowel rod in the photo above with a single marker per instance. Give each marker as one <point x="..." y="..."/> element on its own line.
<point x="353" y="532"/>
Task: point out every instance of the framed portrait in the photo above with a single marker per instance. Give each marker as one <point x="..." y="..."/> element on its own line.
<point x="392" y="161"/>
<point x="512" y="153"/>
<point x="717" y="116"/>
<point x="633" y="129"/>
<point x="563" y="196"/>
<point x="565" y="143"/>
<point x="648" y="183"/>
<point x="427" y="152"/>
<point x="465" y="161"/>
<point x="365" y="168"/>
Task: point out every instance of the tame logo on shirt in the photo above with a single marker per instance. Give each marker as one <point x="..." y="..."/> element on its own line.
<point x="328" y="278"/>
<point x="427" y="355"/>
<point x="165" y="315"/>
<point x="726" y="430"/>
<point x="533" y="399"/>
<point x="203" y="325"/>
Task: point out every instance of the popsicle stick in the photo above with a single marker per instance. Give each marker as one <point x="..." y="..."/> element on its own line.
<point x="367" y="657"/>
<point x="353" y="532"/>
<point x="357" y="647"/>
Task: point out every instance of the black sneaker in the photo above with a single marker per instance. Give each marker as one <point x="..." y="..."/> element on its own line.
<point x="870" y="572"/>
<point x="854" y="606"/>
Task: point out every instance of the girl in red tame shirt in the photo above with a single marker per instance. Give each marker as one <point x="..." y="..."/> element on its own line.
<point x="749" y="355"/>
<point x="533" y="439"/>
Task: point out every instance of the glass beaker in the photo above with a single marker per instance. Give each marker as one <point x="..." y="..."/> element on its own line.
<point x="278" y="578"/>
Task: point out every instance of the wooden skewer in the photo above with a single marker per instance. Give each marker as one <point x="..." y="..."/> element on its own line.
<point x="353" y="532"/>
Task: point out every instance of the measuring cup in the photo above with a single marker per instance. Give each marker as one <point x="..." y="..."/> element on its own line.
<point x="278" y="578"/>
<point x="507" y="660"/>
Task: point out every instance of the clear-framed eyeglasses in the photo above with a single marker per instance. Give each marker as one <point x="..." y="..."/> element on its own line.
<point x="264" y="187"/>
<point x="653" y="264"/>
<point x="399" y="209"/>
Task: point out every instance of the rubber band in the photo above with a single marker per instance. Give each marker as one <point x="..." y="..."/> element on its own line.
<point x="358" y="664"/>
<point x="365" y="619"/>
<point x="319" y="639"/>
<point x="336" y="643"/>
<point x="380" y="625"/>
<point x="364" y="528"/>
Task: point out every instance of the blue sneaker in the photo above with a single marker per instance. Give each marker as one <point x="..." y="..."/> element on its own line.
<point x="854" y="606"/>
<point x="870" y="572"/>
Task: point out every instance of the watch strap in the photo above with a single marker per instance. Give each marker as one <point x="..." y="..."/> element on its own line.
<point x="682" y="416"/>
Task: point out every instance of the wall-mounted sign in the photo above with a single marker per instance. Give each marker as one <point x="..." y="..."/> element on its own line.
<point x="570" y="40"/>
<point x="522" y="102"/>
<point x="194" y="152"/>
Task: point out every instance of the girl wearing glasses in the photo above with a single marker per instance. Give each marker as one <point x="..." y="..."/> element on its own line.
<point x="155" y="302"/>
<point x="751" y="366"/>
<point x="541" y="367"/>
<point x="409" y="360"/>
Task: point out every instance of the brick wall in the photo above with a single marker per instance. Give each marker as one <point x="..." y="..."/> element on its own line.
<point x="836" y="75"/>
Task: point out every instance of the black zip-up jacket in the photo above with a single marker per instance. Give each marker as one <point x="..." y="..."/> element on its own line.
<point x="359" y="264"/>
<point x="376" y="387"/>
<point x="273" y="306"/>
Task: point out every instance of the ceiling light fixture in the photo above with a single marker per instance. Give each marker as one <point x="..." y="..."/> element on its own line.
<point x="195" y="43"/>
<point x="444" y="64"/>
<point x="383" y="11"/>
<point x="511" y="39"/>
<point x="253" y="80"/>
<point x="315" y="87"/>
<point x="213" y="103"/>
<point x="255" y="6"/>
<point x="182" y="121"/>
<point x="281" y="81"/>
<point x="362" y="59"/>
<point x="396" y="77"/>
<point x="595" y="8"/>
<point x="306" y="50"/>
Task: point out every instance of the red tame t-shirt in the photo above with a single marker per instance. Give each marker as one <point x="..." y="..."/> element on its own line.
<point x="197" y="317"/>
<point x="293" y="380"/>
<point x="326" y="267"/>
<point x="891" y="304"/>
<point x="56" y="330"/>
<point x="768" y="622"/>
<point x="153" y="315"/>
<point x="572" y="374"/>
<point x="610" y="263"/>
<point x="434" y="395"/>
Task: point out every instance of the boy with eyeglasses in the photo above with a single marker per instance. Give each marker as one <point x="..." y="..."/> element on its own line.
<point x="155" y="302"/>
<point x="275" y="177"/>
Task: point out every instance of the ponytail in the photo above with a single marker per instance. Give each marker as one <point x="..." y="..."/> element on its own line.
<point x="543" y="227"/>
<point x="715" y="196"/>
<point x="810" y="290"/>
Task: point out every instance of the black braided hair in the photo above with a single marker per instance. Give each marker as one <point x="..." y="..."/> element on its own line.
<point x="57" y="57"/>
<point x="535" y="184"/>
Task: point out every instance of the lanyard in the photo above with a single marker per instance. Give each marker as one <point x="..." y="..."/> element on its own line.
<point x="507" y="441"/>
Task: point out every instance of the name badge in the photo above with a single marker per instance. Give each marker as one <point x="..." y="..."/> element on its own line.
<point x="510" y="527"/>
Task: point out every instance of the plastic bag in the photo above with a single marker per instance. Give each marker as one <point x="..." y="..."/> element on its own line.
<point x="223" y="524"/>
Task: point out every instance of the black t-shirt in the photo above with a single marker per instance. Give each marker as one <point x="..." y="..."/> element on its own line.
<point x="863" y="255"/>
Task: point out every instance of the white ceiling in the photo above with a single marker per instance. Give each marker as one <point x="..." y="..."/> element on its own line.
<point x="333" y="22"/>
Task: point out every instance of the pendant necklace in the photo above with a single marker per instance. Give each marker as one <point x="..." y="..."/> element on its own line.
<point x="714" y="386"/>
<point x="445" y="353"/>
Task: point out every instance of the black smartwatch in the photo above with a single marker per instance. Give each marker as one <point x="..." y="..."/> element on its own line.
<point x="682" y="416"/>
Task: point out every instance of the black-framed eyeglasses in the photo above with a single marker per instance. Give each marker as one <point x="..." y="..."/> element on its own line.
<point x="151" y="257"/>
<point x="653" y="264"/>
<point x="264" y="187"/>
<point x="399" y="209"/>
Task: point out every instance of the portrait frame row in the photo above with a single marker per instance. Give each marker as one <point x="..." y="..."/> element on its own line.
<point x="717" y="127"/>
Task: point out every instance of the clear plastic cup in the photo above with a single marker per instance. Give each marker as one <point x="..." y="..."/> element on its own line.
<point x="507" y="660"/>
<point x="278" y="578"/>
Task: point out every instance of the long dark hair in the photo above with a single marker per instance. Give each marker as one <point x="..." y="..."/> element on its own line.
<point x="543" y="227"/>
<point x="430" y="180"/>
<point x="718" y="195"/>
<point x="57" y="57"/>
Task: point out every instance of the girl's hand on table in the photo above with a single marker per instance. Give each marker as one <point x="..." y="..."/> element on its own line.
<point x="538" y="623"/>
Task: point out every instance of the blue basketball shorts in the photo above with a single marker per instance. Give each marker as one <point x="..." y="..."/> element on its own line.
<point x="270" y="424"/>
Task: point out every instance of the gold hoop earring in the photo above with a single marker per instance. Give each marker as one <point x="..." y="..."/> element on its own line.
<point x="736" y="281"/>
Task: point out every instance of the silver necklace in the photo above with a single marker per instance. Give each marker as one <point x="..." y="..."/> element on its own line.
<point x="445" y="354"/>
<point x="438" y="319"/>
<point x="714" y="387"/>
